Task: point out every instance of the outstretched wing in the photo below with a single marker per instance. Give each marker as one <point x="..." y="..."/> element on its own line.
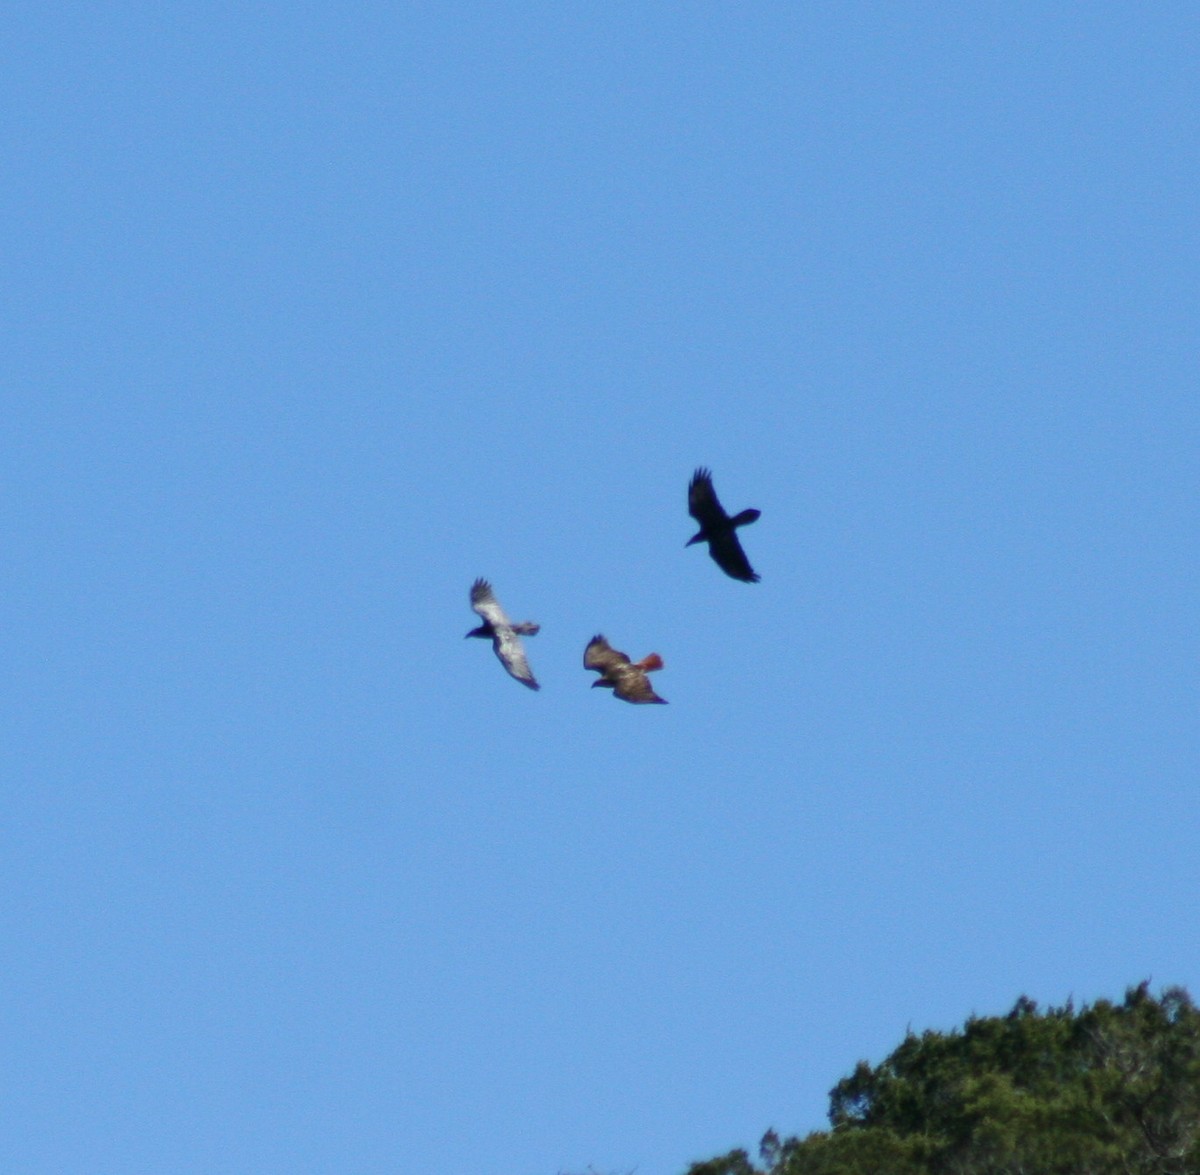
<point x="601" y="656"/>
<point x="512" y="656"/>
<point x="703" y="504"/>
<point x="484" y="601"/>
<point x="728" y="555"/>
<point x="634" y="686"/>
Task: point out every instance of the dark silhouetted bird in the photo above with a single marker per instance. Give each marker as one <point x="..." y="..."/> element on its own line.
<point x="627" y="679"/>
<point x="503" y="633"/>
<point x="718" y="529"/>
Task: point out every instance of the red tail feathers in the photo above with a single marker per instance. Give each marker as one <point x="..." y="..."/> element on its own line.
<point x="650" y="663"/>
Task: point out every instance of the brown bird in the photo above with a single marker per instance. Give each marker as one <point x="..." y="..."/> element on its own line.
<point x="718" y="529"/>
<point x="503" y="633"/>
<point x="627" y="679"/>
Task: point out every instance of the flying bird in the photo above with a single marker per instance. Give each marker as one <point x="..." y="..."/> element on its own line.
<point x="718" y="529"/>
<point x="504" y="635"/>
<point x="627" y="679"/>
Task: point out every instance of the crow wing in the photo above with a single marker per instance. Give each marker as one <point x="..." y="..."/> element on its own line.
<point x="512" y="656"/>
<point x="483" y="601"/>
<point x="505" y="641"/>
<point x="726" y="551"/>
<point x="703" y="504"/>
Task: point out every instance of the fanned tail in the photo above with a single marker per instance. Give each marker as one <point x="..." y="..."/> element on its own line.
<point x="650" y="663"/>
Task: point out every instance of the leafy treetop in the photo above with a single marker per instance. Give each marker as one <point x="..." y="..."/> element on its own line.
<point x="1110" y="1089"/>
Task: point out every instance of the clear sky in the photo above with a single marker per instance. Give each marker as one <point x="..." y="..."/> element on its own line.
<point x="315" y="312"/>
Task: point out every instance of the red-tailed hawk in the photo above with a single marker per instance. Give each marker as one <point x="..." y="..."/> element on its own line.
<point x="627" y="679"/>
<point x="718" y="529"/>
<point x="503" y="633"/>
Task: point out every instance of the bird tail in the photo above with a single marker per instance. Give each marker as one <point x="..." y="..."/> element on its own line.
<point x="746" y="516"/>
<point x="527" y="628"/>
<point x="650" y="663"/>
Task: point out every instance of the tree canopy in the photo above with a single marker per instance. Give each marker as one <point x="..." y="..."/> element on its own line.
<point x="1110" y="1089"/>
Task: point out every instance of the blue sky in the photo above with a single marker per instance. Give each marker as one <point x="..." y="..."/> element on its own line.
<point x="314" y="313"/>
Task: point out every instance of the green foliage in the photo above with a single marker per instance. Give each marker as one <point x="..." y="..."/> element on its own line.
<point x="1108" y="1090"/>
